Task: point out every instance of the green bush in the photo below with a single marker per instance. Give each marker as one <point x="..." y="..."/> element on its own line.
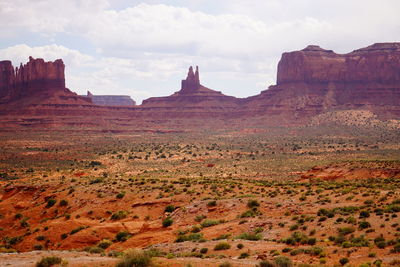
<point x="48" y="261"/>
<point x="105" y="243"/>
<point x="212" y="203"/>
<point x="169" y="208"/>
<point x="121" y="195"/>
<point x="344" y="261"/>
<point x="63" y="203"/>
<point x="135" y="258"/>
<point x="222" y="246"/>
<point x="76" y="230"/>
<point x="244" y="255"/>
<point x="252" y="203"/>
<point x="209" y="222"/>
<point x="122" y="236"/>
<point x="119" y="215"/>
<point x="95" y="250"/>
<point x="51" y="202"/>
<point x="346" y="230"/>
<point x="203" y="250"/>
<point x="282" y="261"/>
<point x="250" y="236"/>
<point x="189" y="237"/>
<point x="167" y="222"/>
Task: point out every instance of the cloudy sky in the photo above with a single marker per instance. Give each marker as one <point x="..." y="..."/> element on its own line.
<point x="143" y="48"/>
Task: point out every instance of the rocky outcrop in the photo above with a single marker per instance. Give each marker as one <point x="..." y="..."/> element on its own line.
<point x="7" y="78"/>
<point x="193" y="94"/>
<point x="37" y="80"/>
<point x="111" y="100"/>
<point x="315" y="80"/>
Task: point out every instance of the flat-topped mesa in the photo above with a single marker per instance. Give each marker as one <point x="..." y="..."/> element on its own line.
<point x="111" y="100"/>
<point x="314" y="80"/>
<point x="192" y="81"/>
<point x="378" y="63"/>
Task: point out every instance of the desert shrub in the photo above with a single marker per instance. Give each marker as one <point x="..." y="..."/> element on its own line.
<point x="396" y="248"/>
<point x="40" y="238"/>
<point x="95" y="163"/>
<point x="315" y="251"/>
<point x="346" y="230"/>
<point x="244" y="255"/>
<point x="119" y="215"/>
<point x="50" y="202"/>
<point x="120" y="195"/>
<point x="250" y="236"/>
<point x="212" y="203"/>
<point x="252" y="203"/>
<point x="364" y="225"/>
<point x="240" y="246"/>
<point x="96" y="181"/>
<point x="225" y="264"/>
<point x="282" y="261"/>
<point x="380" y="242"/>
<point x="364" y="214"/>
<point x="199" y="218"/>
<point x="63" y="203"/>
<point x="105" y="243"/>
<point x="250" y="213"/>
<point x="344" y="261"/>
<point x="64" y="236"/>
<point x="189" y="237"/>
<point x="223" y="236"/>
<point x="95" y="250"/>
<point x="209" y="222"/>
<point x="203" y="250"/>
<point x="135" y="258"/>
<point x="169" y="208"/>
<point x="196" y="228"/>
<point x="167" y="222"/>
<point x="76" y="230"/>
<point x="48" y="261"/>
<point x="222" y="246"/>
<point x="266" y="263"/>
<point x="38" y="247"/>
<point x="299" y="238"/>
<point x="122" y="236"/>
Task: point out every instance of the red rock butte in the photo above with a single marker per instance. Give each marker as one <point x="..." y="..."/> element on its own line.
<point x="309" y="82"/>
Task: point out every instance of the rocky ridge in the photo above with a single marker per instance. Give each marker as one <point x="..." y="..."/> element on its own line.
<point x="310" y="82"/>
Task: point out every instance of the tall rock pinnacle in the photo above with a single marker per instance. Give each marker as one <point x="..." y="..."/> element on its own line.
<point x="192" y="82"/>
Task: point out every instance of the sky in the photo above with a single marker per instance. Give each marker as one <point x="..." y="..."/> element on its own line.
<point x="144" y="48"/>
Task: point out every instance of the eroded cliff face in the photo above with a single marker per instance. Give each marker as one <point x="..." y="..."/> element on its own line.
<point x="378" y="63"/>
<point x="36" y="80"/>
<point x="315" y="80"/>
<point x="7" y="78"/>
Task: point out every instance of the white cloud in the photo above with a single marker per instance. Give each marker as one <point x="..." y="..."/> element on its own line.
<point x="20" y="54"/>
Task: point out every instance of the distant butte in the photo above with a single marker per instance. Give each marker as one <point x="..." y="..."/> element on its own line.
<point x="192" y="93"/>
